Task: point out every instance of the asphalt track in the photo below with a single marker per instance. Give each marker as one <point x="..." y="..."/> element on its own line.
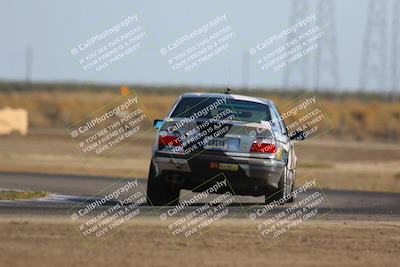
<point x="68" y="191"/>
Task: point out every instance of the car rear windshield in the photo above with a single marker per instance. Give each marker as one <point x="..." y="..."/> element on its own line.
<point x="243" y="110"/>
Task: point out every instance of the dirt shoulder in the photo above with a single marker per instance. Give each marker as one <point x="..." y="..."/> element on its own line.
<point x="50" y="242"/>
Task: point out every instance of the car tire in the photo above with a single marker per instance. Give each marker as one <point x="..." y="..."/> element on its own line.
<point x="291" y="199"/>
<point x="279" y="193"/>
<point x="160" y="192"/>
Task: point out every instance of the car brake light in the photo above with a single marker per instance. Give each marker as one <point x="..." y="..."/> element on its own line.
<point x="169" y="141"/>
<point x="259" y="147"/>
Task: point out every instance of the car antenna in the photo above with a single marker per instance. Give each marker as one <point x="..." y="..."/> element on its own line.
<point x="228" y="90"/>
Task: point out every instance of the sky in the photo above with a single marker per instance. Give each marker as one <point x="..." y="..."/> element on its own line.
<point x="52" y="28"/>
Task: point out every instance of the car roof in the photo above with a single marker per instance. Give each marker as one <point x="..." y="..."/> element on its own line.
<point x="232" y="96"/>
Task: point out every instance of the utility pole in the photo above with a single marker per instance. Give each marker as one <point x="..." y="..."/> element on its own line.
<point x="326" y="60"/>
<point x="28" y="68"/>
<point x="245" y="71"/>
<point x="297" y="73"/>
<point x="395" y="47"/>
<point x="395" y="70"/>
<point x="373" y="63"/>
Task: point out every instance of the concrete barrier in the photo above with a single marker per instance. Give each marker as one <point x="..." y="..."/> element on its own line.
<point x="13" y="120"/>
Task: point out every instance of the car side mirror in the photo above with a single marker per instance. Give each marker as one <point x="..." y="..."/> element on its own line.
<point x="297" y="135"/>
<point x="158" y="123"/>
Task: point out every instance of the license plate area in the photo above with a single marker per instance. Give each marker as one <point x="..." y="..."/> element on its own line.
<point x="224" y="144"/>
<point x="224" y="166"/>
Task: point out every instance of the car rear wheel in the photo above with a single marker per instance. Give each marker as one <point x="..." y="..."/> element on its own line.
<point x="291" y="199"/>
<point x="159" y="191"/>
<point x="280" y="193"/>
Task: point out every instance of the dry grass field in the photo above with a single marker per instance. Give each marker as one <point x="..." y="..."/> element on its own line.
<point x="352" y="118"/>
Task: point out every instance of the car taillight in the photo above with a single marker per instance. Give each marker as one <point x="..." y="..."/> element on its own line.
<point x="169" y="141"/>
<point x="260" y="147"/>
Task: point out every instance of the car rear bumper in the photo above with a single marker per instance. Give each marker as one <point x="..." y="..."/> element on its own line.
<point x="252" y="176"/>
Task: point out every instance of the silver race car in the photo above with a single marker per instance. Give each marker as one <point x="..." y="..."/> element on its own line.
<point x="206" y="134"/>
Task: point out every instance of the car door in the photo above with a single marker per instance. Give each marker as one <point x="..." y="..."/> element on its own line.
<point x="292" y="159"/>
<point x="286" y="153"/>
